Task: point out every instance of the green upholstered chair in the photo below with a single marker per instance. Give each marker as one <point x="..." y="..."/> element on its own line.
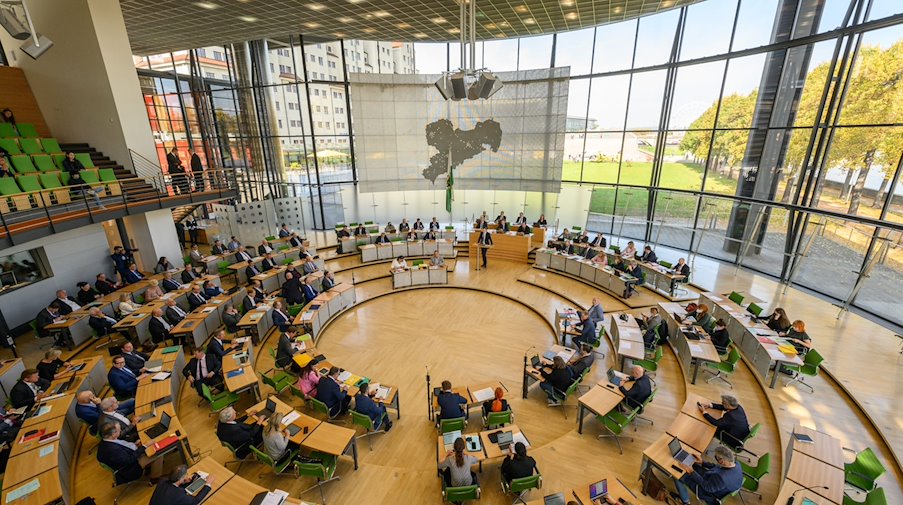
<point x="520" y="487"/>
<point x="22" y="164"/>
<point x="279" y="381"/>
<point x="30" y="183"/>
<point x="30" y="146"/>
<point x="324" y="471"/>
<point x="724" y="368"/>
<point x="50" y="145"/>
<point x="811" y="363"/>
<point x="278" y="467"/>
<point x="85" y="158"/>
<point x="219" y="401"/>
<point x="752" y="475"/>
<point x="43" y="162"/>
<point x="864" y="470"/>
<point x="875" y="497"/>
<point x="459" y="494"/>
<point x="8" y="131"/>
<point x="10" y="145"/>
<point x="616" y="422"/>
<point x="497" y="419"/>
<point x="27" y="130"/>
<point x="450" y="425"/>
<point x="358" y="419"/>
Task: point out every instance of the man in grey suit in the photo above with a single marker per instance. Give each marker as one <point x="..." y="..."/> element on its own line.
<point x="109" y="406"/>
<point x="650" y="320"/>
<point x="596" y="312"/>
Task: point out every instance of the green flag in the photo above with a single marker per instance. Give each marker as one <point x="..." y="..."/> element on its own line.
<point x="449" y="194"/>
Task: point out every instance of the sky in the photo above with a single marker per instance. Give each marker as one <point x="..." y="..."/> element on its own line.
<point x="707" y="33"/>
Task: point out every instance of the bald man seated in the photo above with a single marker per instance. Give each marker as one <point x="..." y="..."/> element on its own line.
<point x="641" y="390"/>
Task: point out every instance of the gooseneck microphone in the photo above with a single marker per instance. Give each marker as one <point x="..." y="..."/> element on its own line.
<point x="807" y="488"/>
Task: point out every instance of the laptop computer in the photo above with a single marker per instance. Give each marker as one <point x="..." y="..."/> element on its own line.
<point x="554" y="499"/>
<point x="535" y="361"/>
<point x="63" y="387"/>
<point x="269" y="409"/>
<point x="505" y="439"/>
<point x="448" y="439"/>
<point x="598" y="490"/>
<point x="78" y="368"/>
<point x="159" y="428"/>
<point x="150" y="415"/>
<point x="683" y="457"/>
<point x="613" y="377"/>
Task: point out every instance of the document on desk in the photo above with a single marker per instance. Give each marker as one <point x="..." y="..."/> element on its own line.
<point x="344" y="376"/>
<point x="161" y="376"/>
<point x="482" y="395"/>
<point x="519" y="437"/>
<point x="382" y="392"/>
<point x="695" y="349"/>
<point x="23" y="490"/>
<point x="290" y="418"/>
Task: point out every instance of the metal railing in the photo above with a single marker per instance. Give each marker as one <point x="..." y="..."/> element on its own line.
<point x="66" y="207"/>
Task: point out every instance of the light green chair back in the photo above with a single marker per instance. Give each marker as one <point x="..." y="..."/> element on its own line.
<point x="30" y="146"/>
<point x="361" y="420"/>
<point x="27" y="130"/>
<point x="864" y="470"/>
<point x="22" y="164"/>
<point x="449" y="425"/>
<point x="460" y="493"/>
<point x="875" y="497"/>
<point x="29" y="183"/>
<point x="10" y="145"/>
<point x="7" y="130"/>
<point x="107" y="175"/>
<point x="752" y="475"/>
<point x="43" y="163"/>
<point x="50" y="181"/>
<point x="89" y="177"/>
<point x="51" y="145"/>
<point x="496" y="419"/>
<point x="85" y="158"/>
<point x="666" y="264"/>
<point x="525" y="484"/>
<point x="8" y="186"/>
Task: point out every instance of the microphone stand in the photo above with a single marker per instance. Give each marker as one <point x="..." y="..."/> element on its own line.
<point x="807" y="488"/>
<point x="524" y="383"/>
<point x="429" y="395"/>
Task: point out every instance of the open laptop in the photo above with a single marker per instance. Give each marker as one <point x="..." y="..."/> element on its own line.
<point x="269" y="409"/>
<point x="613" y="377"/>
<point x="535" y="361"/>
<point x="554" y="499"/>
<point x="150" y="415"/>
<point x="62" y="387"/>
<point x="448" y="439"/>
<point x="505" y="439"/>
<point x="598" y="491"/>
<point x="683" y="457"/>
<point x="159" y="428"/>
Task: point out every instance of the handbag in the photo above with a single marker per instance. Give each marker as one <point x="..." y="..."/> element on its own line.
<point x="653" y="487"/>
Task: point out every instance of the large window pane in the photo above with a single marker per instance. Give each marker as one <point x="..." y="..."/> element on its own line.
<point x="646" y="95"/>
<point x="708" y="28"/>
<point x="499" y="55"/>
<point x="680" y="171"/>
<point x="608" y="101"/>
<point x="875" y="93"/>
<point x="602" y="156"/>
<point x="885" y="8"/>
<point x="754" y="24"/>
<point x="656" y="38"/>
<point x="614" y="46"/>
<point x="430" y="58"/>
<point x="673" y="222"/>
<point x="636" y="160"/>
<point x="880" y="292"/>
<point x="835" y="256"/>
<point x="571" y="51"/>
<point x="696" y="96"/>
<point x="741" y="89"/>
<point x="535" y="52"/>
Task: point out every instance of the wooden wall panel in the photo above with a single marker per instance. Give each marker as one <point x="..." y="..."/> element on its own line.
<point x="16" y="94"/>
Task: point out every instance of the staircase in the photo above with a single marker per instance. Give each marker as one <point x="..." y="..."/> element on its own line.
<point x="180" y="213"/>
<point x="136" y="189"/>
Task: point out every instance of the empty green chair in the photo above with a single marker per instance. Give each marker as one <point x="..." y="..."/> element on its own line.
<point x="10" y="146"/>
<point x="27" y="130"/>
<point x="43" y="162"/>
<point x="30" y="146"/>
<point x="460" y="493"/>
<point x="58" y="160"/>
<point x="50" y="145"/>
<point x="417" y="263"/>
<point x="498" y="419"/>
<point x="321" y="408"/>
<point x="278" y="467"/>
<point x="875" y="497"/>
<point x="615" y="249"/>
<point x="22" y="164"/>
<point x="7" y="130"/>
<point x="520" y="487"/>
<point x="651" y="365"/>
<point x="271" y="238"/>
<point x="358" y="419"/>
<point x="811" y="363"/>
<point x="739" y="446"/>
<point x="736" y="297"/>
<point x="294" y="310"/>
<point x="752" y="475"/>
<point x="30" y="183"/>
<point x="297" y="393"/>
<point x="324" y="471"/>
<point x="450" y="425"/>
<point x="237" y="460"/>
<point x="108" y="178"/>
<point x="724" y="367"/>
<point x="90" y="177"/>
<point x="864" y="470"/>
<point x="616" y="423"/>
<point x="279" y="381"/>
<point x="85" y="158"/>
<point x="12" y="195"/>
<point x="754" y="309"/>
<point x="220" y="401"/>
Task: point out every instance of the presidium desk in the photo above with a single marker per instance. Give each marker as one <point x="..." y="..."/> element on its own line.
<point x="505" y="246"/>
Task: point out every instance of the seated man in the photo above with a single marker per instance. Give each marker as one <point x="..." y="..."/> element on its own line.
<point x="648" y="255"/>
<point x="240" y="436"/>
<point x="126" y="459"/>
<point x="581" y="361"/>
<point x="28" y="389"/>
<point x="733" y="427"/>
<point x="86" y="294"/>
<point x="134" y="360"/>
<point x="710" y="482"/>
<point x="169" y="284"/>
<point x="100" y="322"/>
<point x="171" y="491"/>
<point x="188" y="274"/>
<point x="47" y="316"/>
<point x="641" y="390"/>
<point x="159" y="327"/>
<point x="196" y="298"/>
<point x="451" y="404"/>
<point x="333" y="394"/>
<point x="436" y="260"/>
<point x="286" y="348"/>
<point x="174" y="313"/>
<point x="110" y="414"/>
<point x="211" y="290"/>
<point x="123" y="381"/>
<point x="634" y="270"/>
<point x="104" y="286"/>
<point x="587" y="330"/>
<point x="364" y="404"/>
<point x="88" y="408"/>
<point x="217" y="346"/>
<point x="203" y="369"/>
<point x="133" y="275"/>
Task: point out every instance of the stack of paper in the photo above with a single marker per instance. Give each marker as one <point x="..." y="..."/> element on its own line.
<point x="383" y="392"/>
<point x="483" y="395"/>
<point x="519" y="437"/>
<point x="162" y="376"/>
<point x="290" y="418"/>
<point x="344" y="376"/>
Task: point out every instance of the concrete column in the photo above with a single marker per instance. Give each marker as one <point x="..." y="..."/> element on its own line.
<point x="86" y="84"/>
<point x="154" y="234"/>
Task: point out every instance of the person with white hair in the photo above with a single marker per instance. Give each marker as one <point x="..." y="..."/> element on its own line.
<point x="110" y="414"/>
<point x="710" y="481"/>
<point x="240" y="436"/>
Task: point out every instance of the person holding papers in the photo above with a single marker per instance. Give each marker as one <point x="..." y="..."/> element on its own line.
<point x="710" y="481"/>
<point x="497" y="404"/>
<point x="364" y="404"/>
<point x="517" y="464"/>
<point x="399" y="264"/>
<point x="171" y="491"/>
<point x="333" y="393"/>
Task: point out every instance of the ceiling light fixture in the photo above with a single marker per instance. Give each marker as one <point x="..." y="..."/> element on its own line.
<point x="439" y="20"/>
<point x="403" y="26"/>
<point x="454" y="31"/>
<point x="311" y="24"/>
<point x="316" y="7"/>
<point x="369" y="30"/>
<point x="566" y="3"/>
<point x="529" y="21"/>
<point x="421" y="35"/>
<point x="571" y="16"/>
<point x="346" y="19"/>
<point x="207" y="5"/>
<point x="381" y="14"/>
<point x="521" y="9"/>
<point x="247" y="19"/>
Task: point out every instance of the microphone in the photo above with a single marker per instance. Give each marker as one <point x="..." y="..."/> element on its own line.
<point x="530" y="349"/>
<point x="808" y="488"/>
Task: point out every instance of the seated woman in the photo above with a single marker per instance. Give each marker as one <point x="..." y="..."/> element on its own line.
<point x="499" y="404"/>
<point x="798" y="337"/>
<point x="600" y="259"/>
<point x="629" y="251"/>
<point x="308" y="380"/>
<point x="153" y="292"/>
<point x="399" y="264"/>
<point x="162" y="265"/>
<point x="455" y="468"/>
<point x="517" y="464"/>
<point x="126" y="305"/>
<point x="778" y="320"/>
<point x="51" y="367"/>
<point x="275" y="437"/>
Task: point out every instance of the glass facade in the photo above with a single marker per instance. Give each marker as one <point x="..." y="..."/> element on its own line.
<point x="767" y="134"/>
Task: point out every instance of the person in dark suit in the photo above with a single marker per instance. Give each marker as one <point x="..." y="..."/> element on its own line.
<point x="103" y="285"/>
<point x="87" y="408"/>
<point x="434" y="225"/>
<point x="711" y="482"/>
<point x="418" y="224"/>
<point x="251" y="270"/>
<point x="134" y="360"/>
<point x="281" y="319"/>
<point x="203" y="369"/>
<point x="46" y="317"/>
<point x="240" y="436"/>
<point x="517" y="464"/>
<point x="382" y="238"/>
<point x="169" y="284"/>
<point x="259" y="294"/>
<point x="364" y="404"/>
<point x="188" y="274"/>
<point x="100" y="322"/>
<point x="217" y="247"/>
<point x="284" y="231"/>
<point x="581" y="361"/>
<point x="556" y="381"/>
<point x="211" y="290"/>
<point x="174" y="314"/>
<point x="66" y="303"/>
<point x="268" y="262"/>
<point x="249" y="303"/>
<point x="291" y="289"/>
<point x="333" y="394"/>
<point x="648" y="255"/>
<point x="342" y="233"/>
<point x="733" y="427"/>
<point x="110" y="414"/>
<point x="122" y="257"/>
<point x="296" y="241"/>
<point x="86" y="294"/>
<point x="308" y="289"/>
<point x="599" y="241"/>
<point x="171" y="491"/>
<point x="404" y="226"/>
<point x="328" y="281"/>
<point x="159" y="327"/>
<point x="285" y="349"/>
<point x="196" y="298"/>
<point x="126" y="459"/>
<point x="642" y="388"/>
<point x="123" y="381"/>
<point x="451" y="404"/>
<point x="177" y="172"/>
<point x="360" y="230"/>
<point x="682" y="270"/>
<point x="587" y="330"/>
<point x="484" y="241"/>
<point x="217" y="346"/>
<point x="264" y="247"/>
<point x="242" y="255"/>
<point x="720" y="337"/>
<point x="231" y="317"/>
<point x="197" y="170"/>
<point x="133" y="275"/>
<point x="430" y="235"/>
<point x="28" y="389"/>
